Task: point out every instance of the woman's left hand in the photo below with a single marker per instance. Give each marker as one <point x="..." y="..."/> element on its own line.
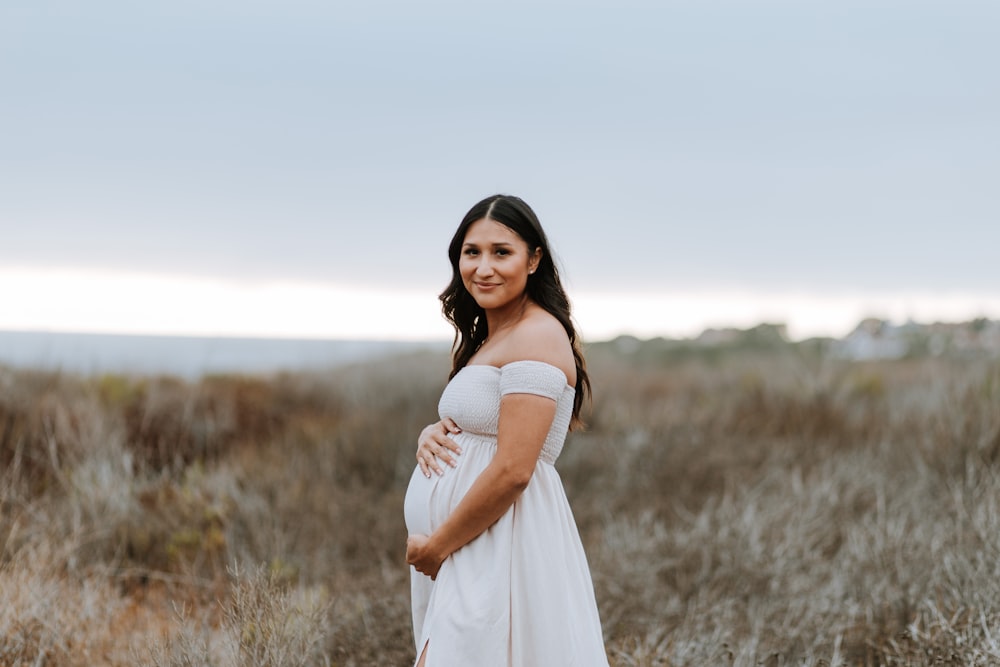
<point x="421" y="556"/>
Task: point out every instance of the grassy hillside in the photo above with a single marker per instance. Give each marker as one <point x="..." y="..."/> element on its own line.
<point x="765" y="505"/>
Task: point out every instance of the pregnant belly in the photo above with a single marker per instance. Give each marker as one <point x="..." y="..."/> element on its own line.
<point x="429" y="501"/>
<point x="417" y="504"/>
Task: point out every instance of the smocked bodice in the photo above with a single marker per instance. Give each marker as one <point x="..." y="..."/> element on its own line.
<point x="472" y="399"/>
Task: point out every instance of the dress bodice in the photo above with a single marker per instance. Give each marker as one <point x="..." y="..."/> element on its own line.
<point x="472" y="399"/>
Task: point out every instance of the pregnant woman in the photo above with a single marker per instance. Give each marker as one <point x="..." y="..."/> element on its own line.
<point x="499" y="576"/>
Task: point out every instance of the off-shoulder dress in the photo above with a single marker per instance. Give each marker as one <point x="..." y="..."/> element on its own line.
<point x="520" y="594"/>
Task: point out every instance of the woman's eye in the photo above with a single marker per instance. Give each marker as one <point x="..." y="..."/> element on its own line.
<point x="503" y="252"/>
<point x="470" y="252"/>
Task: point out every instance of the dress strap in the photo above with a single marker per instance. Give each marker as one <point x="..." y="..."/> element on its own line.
<point x="532" y="377"/>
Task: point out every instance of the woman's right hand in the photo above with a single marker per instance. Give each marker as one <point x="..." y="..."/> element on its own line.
<point x="435" y="444"/>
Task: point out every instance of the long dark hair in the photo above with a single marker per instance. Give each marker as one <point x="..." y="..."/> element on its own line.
<point x="544" y="288"/>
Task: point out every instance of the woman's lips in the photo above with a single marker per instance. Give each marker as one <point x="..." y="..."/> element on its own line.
<point x="486" y="286"/>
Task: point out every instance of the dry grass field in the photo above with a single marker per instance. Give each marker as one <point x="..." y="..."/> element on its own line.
<point x="748" y="506"/>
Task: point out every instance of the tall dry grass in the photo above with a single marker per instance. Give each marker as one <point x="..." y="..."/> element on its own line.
<point x="770" y="506"/>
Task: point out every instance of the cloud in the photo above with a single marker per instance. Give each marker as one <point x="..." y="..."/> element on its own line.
<point x="664" y="144"/>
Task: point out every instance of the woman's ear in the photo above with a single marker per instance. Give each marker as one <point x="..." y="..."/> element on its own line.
<point x="535" y="260"/>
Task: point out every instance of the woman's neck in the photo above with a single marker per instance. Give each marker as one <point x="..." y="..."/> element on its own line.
<point x="500" y="320"/>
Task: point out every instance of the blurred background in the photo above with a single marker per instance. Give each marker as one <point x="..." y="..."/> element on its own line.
<point x="223" y="229"/>
<point x="296" y="169"/>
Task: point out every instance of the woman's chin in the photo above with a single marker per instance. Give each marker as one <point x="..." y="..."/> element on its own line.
<point x="487" y="301"/>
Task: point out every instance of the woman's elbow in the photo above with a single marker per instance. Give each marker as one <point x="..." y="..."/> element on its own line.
<point x="516" y="477"/>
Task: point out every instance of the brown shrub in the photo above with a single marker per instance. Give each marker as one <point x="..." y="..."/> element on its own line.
<point x="41" y="418"/>
<point x="758" y="509"/>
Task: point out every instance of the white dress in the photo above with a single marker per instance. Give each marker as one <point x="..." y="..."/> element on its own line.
<point x="520" y="594"/>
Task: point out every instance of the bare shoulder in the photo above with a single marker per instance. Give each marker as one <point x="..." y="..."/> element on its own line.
<point x="541" y="337"/>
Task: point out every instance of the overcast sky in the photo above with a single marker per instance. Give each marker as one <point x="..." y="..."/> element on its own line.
<point x="821" y="150"/>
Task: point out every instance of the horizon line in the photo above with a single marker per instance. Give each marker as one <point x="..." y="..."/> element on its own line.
<point x="442" y="341"/>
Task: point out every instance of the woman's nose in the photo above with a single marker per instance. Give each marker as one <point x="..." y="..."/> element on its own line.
<point x="485" y="266"/>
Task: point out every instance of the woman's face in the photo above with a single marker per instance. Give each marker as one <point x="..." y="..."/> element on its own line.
<point x="495" y="263"/>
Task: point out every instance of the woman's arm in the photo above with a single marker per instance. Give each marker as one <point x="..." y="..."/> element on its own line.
<point x="524" y="423"/>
